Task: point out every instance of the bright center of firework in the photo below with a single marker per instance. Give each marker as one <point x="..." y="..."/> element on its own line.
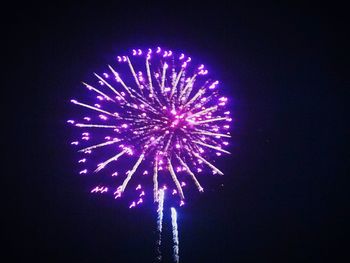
<point x="175" y="120"/>
<point x="163" y="111"/>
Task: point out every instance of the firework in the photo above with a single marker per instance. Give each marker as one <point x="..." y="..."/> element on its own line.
<point x="162" y="110"/>
<point x="159" y="224"/>
<point x="159" y="108"/>
<point x="175" y="235"/>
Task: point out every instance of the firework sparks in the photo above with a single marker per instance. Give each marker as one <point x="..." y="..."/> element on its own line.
<point x="159" y="223"/>
<point x="175" y="235"/>
<point x="160" y="107"/>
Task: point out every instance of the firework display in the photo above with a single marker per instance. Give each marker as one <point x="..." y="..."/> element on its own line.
<point x="160" y="109"/>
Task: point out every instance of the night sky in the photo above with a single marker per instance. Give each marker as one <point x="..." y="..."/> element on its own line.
<point x="281" y="199"/>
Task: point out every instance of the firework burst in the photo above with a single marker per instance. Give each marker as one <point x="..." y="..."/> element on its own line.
<point x="161" y="107"/>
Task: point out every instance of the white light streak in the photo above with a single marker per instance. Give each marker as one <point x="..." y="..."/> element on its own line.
<point x="175" y="235"/>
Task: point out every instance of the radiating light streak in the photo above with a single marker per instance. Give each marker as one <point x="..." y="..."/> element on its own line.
<point x="212" y="147"/>
<point x="118" y="78"/>
<point x="149" y="78"/>
<point x="131" y="173"/>
<point x="134" y="73"/>
<point x="176" y="181"/>
<point x="97" y="91"/>
<point x="188" y="170"/>
<point x="109" y="86"/>
<point x="173" y="89"/>
<point x="98" y="145"/>
<point x="211" y="109"/>
<point x="187" y="87"/>
<point x="194" y="98"/>
<point x="209" y="164"/>
<point x="168" y="142"/>
<point x="165" y="66"/>
<point x="95" y="126"/>
<point x="198" y="131"/>
<point x="209" y="120"/>
<point x="92" y="107"/>
<point x="114" y="158"/>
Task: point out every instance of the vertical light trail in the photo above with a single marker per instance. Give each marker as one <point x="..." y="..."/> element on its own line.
<point x="165" y="66"/>
<point x="155" y="181"/>
<point x="134" y="74"/>
<point x="159" y="224"/>
<point x="175" y="83"/>
<point x="149" y="78"/>
<point x="175" y="235"/>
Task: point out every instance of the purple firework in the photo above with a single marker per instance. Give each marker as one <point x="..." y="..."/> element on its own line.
<point x="160" y="107"/>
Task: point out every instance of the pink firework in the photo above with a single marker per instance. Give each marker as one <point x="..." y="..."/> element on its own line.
<point x="162" y="108"/>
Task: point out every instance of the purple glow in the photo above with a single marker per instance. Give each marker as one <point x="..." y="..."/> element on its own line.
<point x="165" y="115"/>
<point x="83" y="171"/>
<point x="99" y="189"/>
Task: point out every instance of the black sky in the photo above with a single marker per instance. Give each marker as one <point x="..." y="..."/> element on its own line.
<point x="282" y="200"/>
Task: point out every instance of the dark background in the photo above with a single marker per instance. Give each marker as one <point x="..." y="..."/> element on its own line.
<point x="283" y="198"/>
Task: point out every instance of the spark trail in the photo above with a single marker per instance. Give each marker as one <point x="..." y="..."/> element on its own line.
<point x="159" y="224"/>
<point x="175" y="235"/>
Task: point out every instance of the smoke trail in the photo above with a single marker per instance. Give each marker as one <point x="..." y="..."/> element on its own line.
<point x="159" y="224"/>
<point x="175" y="235"/>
